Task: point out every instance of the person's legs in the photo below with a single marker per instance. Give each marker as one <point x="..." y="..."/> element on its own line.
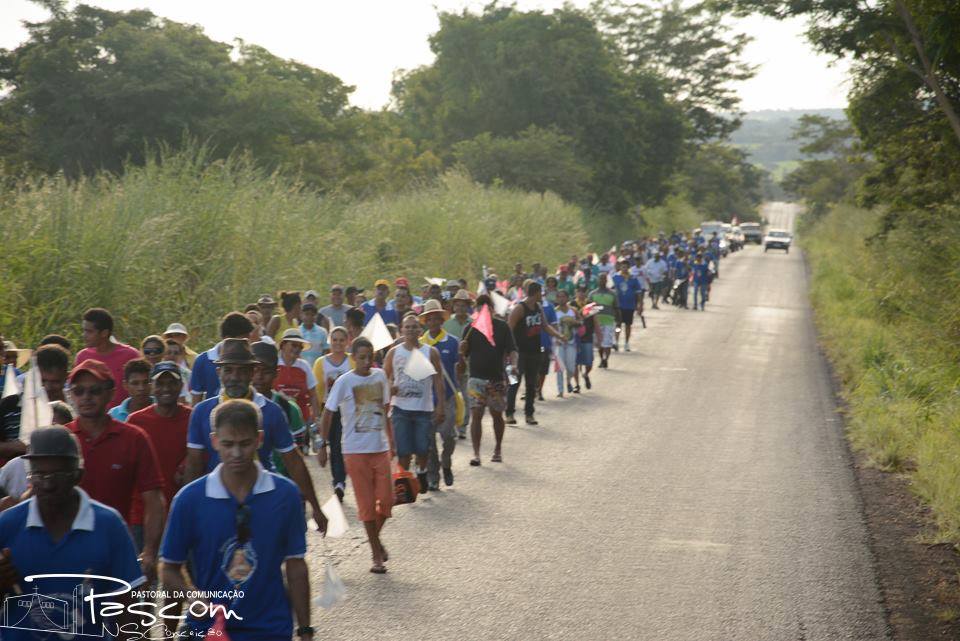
<point x="498" y="429"/>
<point x="545" y="360"/>
<point x="422" y="429"/>
<point x="448" y="440"/>
<point x="530" y="366"/>
<point x="403" y="436"/>
<point x="337" y="469"/>
<point x="476" y="433"/>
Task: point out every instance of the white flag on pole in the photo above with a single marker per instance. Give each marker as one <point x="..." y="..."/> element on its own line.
<point x="10" y="385"/>
<point x="337" y="524"/>
<point x="500" y="304"/>
<point x="35" y="412"/>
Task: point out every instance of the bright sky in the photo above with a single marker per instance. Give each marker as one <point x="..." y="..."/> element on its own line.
<point x="364" y="41"/>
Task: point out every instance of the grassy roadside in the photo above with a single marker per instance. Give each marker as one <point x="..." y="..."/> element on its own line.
<point x="888" y="311"/>
<point x="184" y="239"/>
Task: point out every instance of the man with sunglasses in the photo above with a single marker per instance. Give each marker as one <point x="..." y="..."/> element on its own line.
<point x="119" y="457"/>
<point x="242" y="527"/>
<point x="58" y="532"/>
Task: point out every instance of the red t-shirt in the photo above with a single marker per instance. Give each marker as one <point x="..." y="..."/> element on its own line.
<point x="297" y="381"/>
<point x="169" y="438"/>
<point x="118" y="463"/>
<point x="115" y="360"/>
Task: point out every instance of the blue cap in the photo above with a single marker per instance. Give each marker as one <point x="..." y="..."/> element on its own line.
<point x="166" y="367"/>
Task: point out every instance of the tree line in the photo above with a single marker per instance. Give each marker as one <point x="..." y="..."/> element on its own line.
<point x="619" y="106"/>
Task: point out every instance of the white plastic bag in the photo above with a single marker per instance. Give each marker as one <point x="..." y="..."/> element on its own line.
<point x="334" y="591"/>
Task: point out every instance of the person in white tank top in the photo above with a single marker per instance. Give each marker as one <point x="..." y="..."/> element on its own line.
<point x="413" y="411"/>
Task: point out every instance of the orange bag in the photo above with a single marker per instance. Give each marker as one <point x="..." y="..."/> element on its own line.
<point x="405" y="486"/>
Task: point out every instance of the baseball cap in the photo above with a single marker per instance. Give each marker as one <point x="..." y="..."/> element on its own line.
<point x="382" y="281"/>
<point x="453" y="283"/>
<point x="52" y="441"/>
<point x="97" y="369"/>
<point x="311" y="293"/>
<point x="353" y="289"/>
<point x="402" y="282"/>
<point x="266" y="299"/>
<point x="166" y="367"/>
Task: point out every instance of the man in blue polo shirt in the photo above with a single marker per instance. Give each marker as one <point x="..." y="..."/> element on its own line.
<point x="236" y="367"/>
<point x="61" y="530"/>
<point x="380" y="305"/>
<point x="204" y="379"/>
<point x="242" y="527"/>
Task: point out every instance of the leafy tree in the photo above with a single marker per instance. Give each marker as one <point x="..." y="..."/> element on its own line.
<point x="689" y="47"/>
<point x="906" y="90"/>
<point x="721" y="183"/>
<point x="834" y="165"/>
<point x="538" y="160"/>
<point x="504" y="70"/>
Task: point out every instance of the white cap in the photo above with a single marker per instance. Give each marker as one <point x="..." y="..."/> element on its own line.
<point x="176" y="328"/>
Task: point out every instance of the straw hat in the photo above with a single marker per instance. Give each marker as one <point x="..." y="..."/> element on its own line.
<point x="433" y="306"/>
<point x="23" y="355"/>
<point x="293" y="335"/>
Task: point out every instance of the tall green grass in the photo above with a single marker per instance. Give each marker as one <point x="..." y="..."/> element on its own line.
<point x="887" y="310"/>
<point x="186" y="239"/>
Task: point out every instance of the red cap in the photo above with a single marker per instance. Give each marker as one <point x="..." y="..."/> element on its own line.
<point x="563" y="269"/>
<point x="95" y="368"/>
<point x="402" y="282"/>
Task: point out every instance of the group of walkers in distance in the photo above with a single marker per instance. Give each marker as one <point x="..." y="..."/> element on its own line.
<point x="163" y="464"/>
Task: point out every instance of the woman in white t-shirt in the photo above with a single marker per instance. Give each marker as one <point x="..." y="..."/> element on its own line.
<point x="361" y="396"/>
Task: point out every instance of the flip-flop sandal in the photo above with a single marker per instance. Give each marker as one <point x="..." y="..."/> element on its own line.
<point x="475" y="462"/>
<point x="378" y="569"/>
<point x="496" y="458"/>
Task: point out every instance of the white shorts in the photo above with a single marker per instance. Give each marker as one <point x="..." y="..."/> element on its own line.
<point x="607" y="336"/>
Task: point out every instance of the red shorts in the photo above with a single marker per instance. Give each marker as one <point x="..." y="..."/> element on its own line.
<point x="372" y="482"/>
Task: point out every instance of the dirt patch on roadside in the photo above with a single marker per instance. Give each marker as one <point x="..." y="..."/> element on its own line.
<point x="920" y="582"/>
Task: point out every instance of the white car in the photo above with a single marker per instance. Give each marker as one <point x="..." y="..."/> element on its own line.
<point x="777" y="239"/>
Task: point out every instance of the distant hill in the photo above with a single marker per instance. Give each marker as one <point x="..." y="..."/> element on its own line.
<point x="765" y="135"/>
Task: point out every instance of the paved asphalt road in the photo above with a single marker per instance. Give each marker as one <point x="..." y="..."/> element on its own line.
<point x="701" y="491"/>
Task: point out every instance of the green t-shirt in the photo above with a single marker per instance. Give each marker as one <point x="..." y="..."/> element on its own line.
<point x="295" y="418"/>
<point x="608" y="299"/>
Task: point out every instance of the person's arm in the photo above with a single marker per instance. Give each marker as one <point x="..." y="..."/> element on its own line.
<point x="299" y="474"/>
<point x="325" y="420"/>
<point x="12" y="449"/>
<point x="273" y="325"/>
<point x="298" y="587"/>
<point x="193" y="465"/>
<point x="515" y="315"/>
<point x="154" y="509"/>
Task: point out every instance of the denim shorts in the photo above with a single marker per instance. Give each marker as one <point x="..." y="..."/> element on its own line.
<point x="411" y="431"/>
<point x="585" y="354"/>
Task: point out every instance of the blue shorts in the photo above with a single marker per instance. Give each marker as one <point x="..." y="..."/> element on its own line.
<point x="411" y="431"/>
<point x="585" y="354"/>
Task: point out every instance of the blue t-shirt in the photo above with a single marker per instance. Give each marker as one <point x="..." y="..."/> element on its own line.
<point x="549" y="318"/>
<point x="449" y="349"/>
<point x="701" y="273"/>
<point x="98" y="543"/>
<point x="276" y="430"/>
<point x="203" y="377"/>
<point x="627" y="290"/>
<point x="202" y="526"/>
<point x="682" y="270"/>
<point x="388" y="314"/>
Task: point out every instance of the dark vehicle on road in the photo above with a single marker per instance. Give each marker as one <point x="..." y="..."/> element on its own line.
<point x="777" y="239"/>
<point x="752" y="233"/>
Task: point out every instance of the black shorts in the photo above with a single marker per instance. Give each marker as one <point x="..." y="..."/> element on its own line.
<point x="546" y="359"/>
<point x="626" y="316"/>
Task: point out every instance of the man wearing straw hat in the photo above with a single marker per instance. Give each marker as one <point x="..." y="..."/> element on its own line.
<point x="433" y="316"/>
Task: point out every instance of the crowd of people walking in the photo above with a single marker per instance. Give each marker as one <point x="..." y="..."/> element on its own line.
<point x="159" y="465"/>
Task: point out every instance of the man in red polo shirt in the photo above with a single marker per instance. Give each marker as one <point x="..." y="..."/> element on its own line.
<point x="165" y="422"/>
<point x="118" y="457"/>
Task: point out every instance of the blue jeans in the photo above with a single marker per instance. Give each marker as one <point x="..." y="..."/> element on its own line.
<point x="411" y="431"/>
<point x="700" y="294"/>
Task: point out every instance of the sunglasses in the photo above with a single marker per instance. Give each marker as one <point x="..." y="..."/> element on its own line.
<point x="93" y="390"/>
<point x="243" y="524"/>
<point x="153" y="351"/>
